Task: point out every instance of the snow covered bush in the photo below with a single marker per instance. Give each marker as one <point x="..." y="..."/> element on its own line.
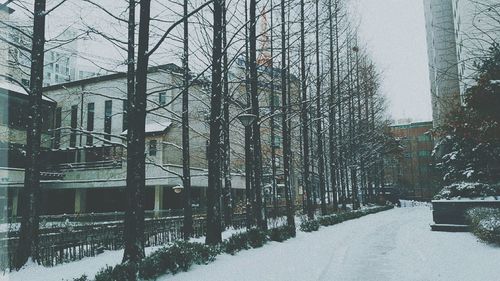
<point x="282" y="233"/>
<point x="121" y="272"/>
<point x="179" y="256"/>
<point x="256" y="237"/>
<point x="485" y="224"/>
<point x="468" y="190"/>
<point x="309" y="225"/>
<point x="236" y="243"/>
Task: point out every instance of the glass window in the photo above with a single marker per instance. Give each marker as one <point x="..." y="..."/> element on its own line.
<point x="424" y="153"/>
<point x="107" y="119"/>
<point x="152" y="148"/>
<point x="124" y="116"/>
<point x="74" y="122"/>
<point x="90" y="122"/>
<point x="162" y="98"/>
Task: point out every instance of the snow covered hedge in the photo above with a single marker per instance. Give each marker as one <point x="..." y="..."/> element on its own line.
<point x="485" y="224"/>
<point x="468" y="190"/>
<point x="313" y="225"/>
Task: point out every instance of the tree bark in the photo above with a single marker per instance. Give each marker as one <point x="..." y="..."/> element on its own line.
<point x="305" y="119"/>
<point x="290" y="214"/>
<point x="136" y="167"/>
<point x="319" y="120"/>
<point x="29" y="195"/>
<point x="186" y="173"/>
<point x="214" y="168"/>
<point x="227" y="199"/>
<point x="331" y="114"/>
<point x="257" y="167"/>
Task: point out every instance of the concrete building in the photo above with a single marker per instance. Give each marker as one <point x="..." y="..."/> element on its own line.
<point x="85" y="168"/>
<point x="459" y="34"/>
<point x="412" y="171"/>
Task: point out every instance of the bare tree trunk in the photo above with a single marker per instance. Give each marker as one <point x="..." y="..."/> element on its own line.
<point x="249" y="183"/>
<point x="227" y="199"/>
<point x="305" y="119"/>
<point x="319" y="120"/>
<point x="136" y="167"/>
<point x="186" y="173"/>
<point x="331" y="114"/>
<point x="214" y="168"/>
<point x="257" y="167"/>
<point x="272" y="123"/>
<point x="290" y="214"/>
<point x="29" y="195"/>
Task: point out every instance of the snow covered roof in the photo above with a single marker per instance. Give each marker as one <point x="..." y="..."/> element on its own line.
<point x="6" y="85"/>
<point x="156" y="127"/>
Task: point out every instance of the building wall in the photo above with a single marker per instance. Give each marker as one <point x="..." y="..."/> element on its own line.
<point x="413" y="172"/>
<point x="459" y="35"/>
<point x="442" y="53"/>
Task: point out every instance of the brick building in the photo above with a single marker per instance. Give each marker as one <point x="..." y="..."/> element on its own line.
<point x="412" y="171"/>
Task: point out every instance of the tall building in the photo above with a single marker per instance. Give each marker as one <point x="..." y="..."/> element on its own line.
<point x="443" y="61"/>
<point x="459" y="34"/>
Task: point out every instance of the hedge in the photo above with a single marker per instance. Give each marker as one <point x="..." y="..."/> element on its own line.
<point x="485" y="224"/>
<point x="313" y="225"/>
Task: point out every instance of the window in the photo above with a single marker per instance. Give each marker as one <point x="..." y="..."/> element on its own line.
<point x="275" y="100"/>
<point x="162" y="98"/>
<point x="107" y="119"/>
<point x="424" y="153"/>
<point x="57" y="134"/>
<point x="276" y="141"/>
<point x="423" y="138"/>
<point x="124" y="116"/>
<point x="57" y="68"/>
<point x="74" y="120"/>
<point x="90" y="122"/>
<point x="152" y="147"/>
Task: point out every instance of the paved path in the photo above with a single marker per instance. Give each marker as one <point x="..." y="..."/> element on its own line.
<point x="392" y="245"/>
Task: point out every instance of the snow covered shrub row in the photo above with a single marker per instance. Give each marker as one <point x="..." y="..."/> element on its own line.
<point x="468" y="190"/>
<point x="309" y="225"/>
<point x="485" y="223"/>
<point x="180" y="256"/>
<point x="313" y="225"/>
<point x="282" y="233"/>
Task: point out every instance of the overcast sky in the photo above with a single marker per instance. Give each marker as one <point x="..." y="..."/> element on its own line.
<point x="394" y="31"/>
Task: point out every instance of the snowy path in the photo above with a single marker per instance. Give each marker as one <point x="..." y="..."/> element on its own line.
<point x="392" y="245"/>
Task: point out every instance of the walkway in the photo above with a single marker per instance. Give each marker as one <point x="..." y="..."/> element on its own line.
<point x="392" y="245"/>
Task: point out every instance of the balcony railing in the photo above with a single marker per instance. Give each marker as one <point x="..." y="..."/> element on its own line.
<point x="106" y="164"/>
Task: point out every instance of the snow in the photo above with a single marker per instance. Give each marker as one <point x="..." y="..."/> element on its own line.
<point x="18" y="89"/>
<point x="154" y="127"/>
<point x="392" y="245"/>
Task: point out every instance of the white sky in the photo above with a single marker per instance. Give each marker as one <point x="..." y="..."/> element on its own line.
<point x="394" y="32"/>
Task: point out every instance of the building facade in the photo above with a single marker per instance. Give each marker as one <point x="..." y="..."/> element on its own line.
<point x="412" y="171"/>
<point x="459" y="35"/>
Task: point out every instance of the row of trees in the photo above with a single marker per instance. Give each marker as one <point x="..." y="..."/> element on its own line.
<point x="326" y="82"/>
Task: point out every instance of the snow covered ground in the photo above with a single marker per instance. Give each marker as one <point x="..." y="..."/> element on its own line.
<point x="391" y="245"/>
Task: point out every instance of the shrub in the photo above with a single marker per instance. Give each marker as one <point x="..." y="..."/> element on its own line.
<point x="179" y="256"/>
<point x="468" y="190"/>
<point x="281" y="233"/>
<point x="309" y="225"/>
<point x="236" y="243"/>
<point x="256" y="237"/>
<point x="485" y="224"/>
<point x="121" y="272"/>
<point x="81" y="278"/>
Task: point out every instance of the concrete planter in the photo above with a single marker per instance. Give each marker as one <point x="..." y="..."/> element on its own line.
<point x="449" y="215"/>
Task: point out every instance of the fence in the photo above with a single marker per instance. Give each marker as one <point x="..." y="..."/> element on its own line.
<point x="62" y="244"/>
